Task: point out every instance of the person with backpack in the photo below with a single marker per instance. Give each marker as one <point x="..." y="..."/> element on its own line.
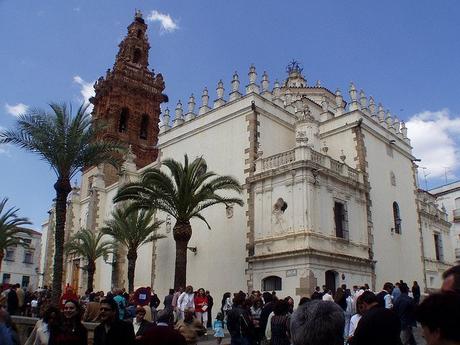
<point x="239" y="322"/>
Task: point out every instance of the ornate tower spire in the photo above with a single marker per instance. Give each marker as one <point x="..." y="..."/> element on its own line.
<point x="128" y="98"/>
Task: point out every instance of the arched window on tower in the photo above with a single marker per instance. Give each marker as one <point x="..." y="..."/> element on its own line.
<point x="139" y="33"/>
<point x="143" y="132"/>
<point x="137" y="55"/>
<point x="123" y="122"/>
<point x="397" y="218"/>
<point x="271" y="283"/>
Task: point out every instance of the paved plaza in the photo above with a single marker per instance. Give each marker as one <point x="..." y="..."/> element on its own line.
<point x="210" y="340"/>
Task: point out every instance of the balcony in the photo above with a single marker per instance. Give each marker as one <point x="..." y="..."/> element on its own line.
<point x="305" y="153"/>
<point x="456" y="214"/>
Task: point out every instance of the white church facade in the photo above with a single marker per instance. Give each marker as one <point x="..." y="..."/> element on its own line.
<point x="330" y="192"/>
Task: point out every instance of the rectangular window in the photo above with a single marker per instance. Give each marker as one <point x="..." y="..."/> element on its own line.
<point x="27" y="241"/>
<point x="28" y="258"/>
<point x="438" y="247"/>
<point x="340" y="219"/>
<point x="25" y="281"/>
<point x="6" y="278"/>
<point x="9" y="255"/>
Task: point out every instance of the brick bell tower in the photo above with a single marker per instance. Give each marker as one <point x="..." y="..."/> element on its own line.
<point x="128" y="98"/>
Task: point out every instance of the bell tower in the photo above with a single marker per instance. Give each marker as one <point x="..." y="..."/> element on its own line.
<point x="127" y="100"/>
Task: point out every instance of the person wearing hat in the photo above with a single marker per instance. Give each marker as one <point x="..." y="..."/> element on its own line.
<point x="140" y="325"/>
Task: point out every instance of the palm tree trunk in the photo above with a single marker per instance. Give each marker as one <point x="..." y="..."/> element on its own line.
<point x="132" y="257"/>
<point x="63" y="188"/>
<point x="91" y="271"/>
<point x="182" y="233"/>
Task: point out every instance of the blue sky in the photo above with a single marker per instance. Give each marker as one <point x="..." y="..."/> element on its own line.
<point x="404" y="53"/>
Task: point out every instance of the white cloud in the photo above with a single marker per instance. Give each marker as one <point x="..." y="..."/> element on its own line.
<point x="17" y="109"/>
<point x="86" y="89"/>
<point x="434" y="136"/>
<point x="168" y="24"/>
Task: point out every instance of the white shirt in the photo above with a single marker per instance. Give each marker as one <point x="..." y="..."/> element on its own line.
<point x="353" y="324"/>
<point x="388" y="301"/>
<point x="328" y="297"/>
<point x="186" y="300"/>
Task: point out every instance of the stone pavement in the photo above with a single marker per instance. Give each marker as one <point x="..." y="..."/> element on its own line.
<point x="210" y="340"/>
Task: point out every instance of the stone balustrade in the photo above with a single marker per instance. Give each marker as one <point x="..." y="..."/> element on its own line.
<point x="305" y="153"/>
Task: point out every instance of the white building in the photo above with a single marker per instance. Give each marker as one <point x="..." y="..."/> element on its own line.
<point x="449" y="197"/>
<point x="21" y="265"/>
<point x="329" y="185"/>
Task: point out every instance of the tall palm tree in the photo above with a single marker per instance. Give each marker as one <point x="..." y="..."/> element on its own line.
<point x="90" y="246"/>
<point x="67" y="143"/>
<point x="190" y="190"/>
<point x="132" y="228"/>
<point x="9" y="229"/>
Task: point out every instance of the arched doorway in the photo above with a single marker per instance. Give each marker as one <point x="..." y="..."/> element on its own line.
<point x="331" y="280"/>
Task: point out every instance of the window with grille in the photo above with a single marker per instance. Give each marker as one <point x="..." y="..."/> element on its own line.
<point x="396" y="218"/>
<point x="341" y="220"/>
<point x="438" y="247"/>
<point x="272" y="283"/>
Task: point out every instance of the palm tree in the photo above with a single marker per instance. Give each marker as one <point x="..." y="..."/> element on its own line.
<point x="90" y="246"/>
<point x="132" y="228"/>
<point x="9" y="229"/>
<point x="190" y="190"/>
<point x="68" y="144"/>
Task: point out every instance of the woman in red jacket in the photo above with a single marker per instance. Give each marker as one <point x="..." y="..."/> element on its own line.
<point x="201" y="306"/>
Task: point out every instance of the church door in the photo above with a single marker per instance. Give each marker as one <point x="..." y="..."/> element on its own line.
<point x="331" y="280"/>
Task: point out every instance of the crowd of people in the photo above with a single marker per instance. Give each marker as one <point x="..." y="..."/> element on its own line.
<point x="356" y="316"/>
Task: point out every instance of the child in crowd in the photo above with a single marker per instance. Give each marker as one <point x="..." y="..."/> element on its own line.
<point x="218" y="327"/>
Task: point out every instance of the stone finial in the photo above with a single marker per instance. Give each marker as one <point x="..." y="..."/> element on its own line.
<point x="220" y="95"/>
<point x="363" y="99"/>
<point x="372" y="106"/>
<point x="204" y="102"/>
<point x="165" y="122"/>
<point x="318" y="83"/>
<point x="265" y="85"/>
<point x="252" y="74"/>
<point x="388" y="119"/>
<point x="191" y="104"/>
<point x="129" y="158"/>
<point x="324" y="104"/>
<point x="381" y="113"/>
<point x="252" y="86"/>
<point x="220" y="89"/>
<point x="403" y="129"/>
<point x="235" y="94"/>
<point x="338" y="102"/>
<point x="276" y="94"/>
<point x="342" y="156"/>
<point x="353" y="97"/>
<point x="235" y="82"/>
<point x="190" y="108"/>
<point x="178" y="118"/>
<point x="265" y="82"/>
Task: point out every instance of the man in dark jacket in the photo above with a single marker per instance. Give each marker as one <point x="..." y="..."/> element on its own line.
<point x="12" y="301"/>
<point x="378" y="326"/>
<point x="404" y="307"/>
<point x="210" y="304"/>
<point x="239" y="322"/>
<point x="140" y="325"/>
<point x="112" y="330"/>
